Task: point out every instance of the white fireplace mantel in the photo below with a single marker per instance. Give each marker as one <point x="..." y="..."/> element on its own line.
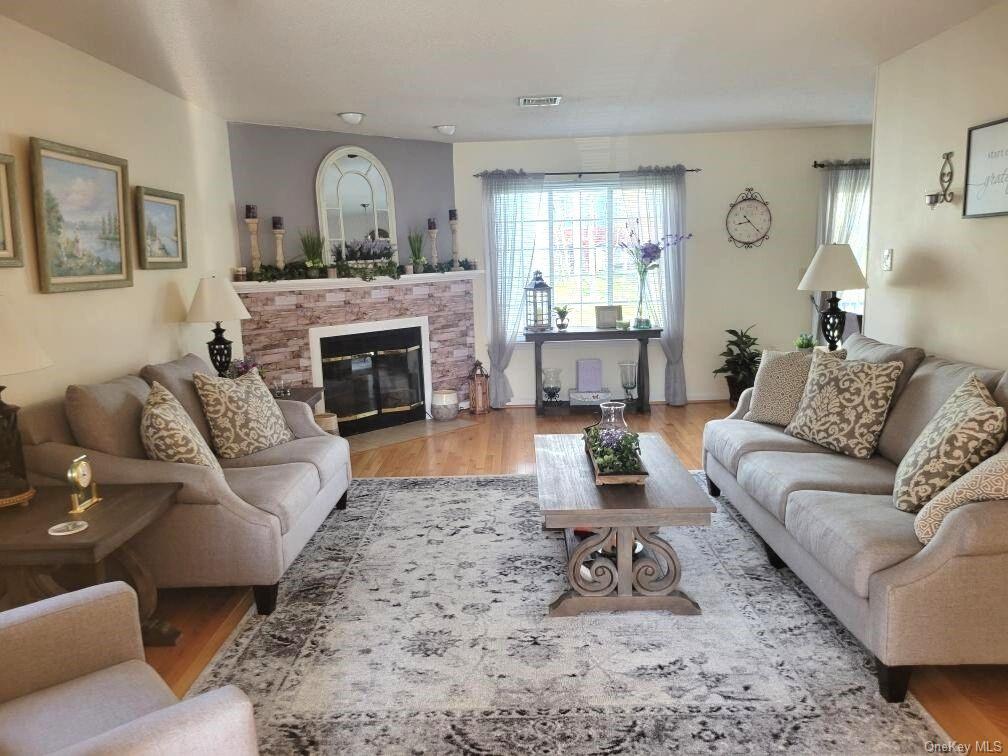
<point x="302" y="284"/>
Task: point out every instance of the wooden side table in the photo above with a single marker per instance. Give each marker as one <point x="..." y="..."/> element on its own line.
<point x="29" y="555"/>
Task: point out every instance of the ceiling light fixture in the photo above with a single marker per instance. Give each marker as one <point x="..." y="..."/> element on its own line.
<point x="539" y="101"/>
<point x="352" y="118"/>
<point x="445" y="128"/>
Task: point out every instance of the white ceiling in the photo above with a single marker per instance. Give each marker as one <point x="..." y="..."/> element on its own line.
<point x="623" y="66"/>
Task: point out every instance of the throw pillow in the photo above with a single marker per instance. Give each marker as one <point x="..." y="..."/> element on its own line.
<point x="845" y="404"/>
<point x="169" y="434"/>
<point x="967" y="429"/>
<point x="988" y="481"/>
<point x="779" y="386"/>
<point x="244" y="417"/>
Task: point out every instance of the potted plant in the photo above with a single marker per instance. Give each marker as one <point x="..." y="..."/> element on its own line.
<point x="312" y="247"/>
<point x="561" y="312"/>
<point x="417" y="260"/>
<point x="805" y="342"/>
<point x="741" y="361"/>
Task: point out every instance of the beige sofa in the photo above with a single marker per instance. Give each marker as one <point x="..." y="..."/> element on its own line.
<point x="74" y="681"/>
<point x="244" y="526"/>
<point x="831" y="519"/>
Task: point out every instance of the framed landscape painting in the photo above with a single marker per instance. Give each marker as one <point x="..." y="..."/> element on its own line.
<point x="161" y="228"/>
<point x="986" y="192"/>
<point x="82" y="218"/>
<point x="10" y="222"/>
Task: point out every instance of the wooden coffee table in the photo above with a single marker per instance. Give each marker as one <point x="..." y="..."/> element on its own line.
<point x="620" y="516"/>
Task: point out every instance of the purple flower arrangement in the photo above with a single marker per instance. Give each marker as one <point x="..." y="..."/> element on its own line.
<point x="647" y="257"/>
<point x="238" y="368"/>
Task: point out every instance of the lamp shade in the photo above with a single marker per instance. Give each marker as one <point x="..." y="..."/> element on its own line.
<point x="834" y="268"/>
<point x="20" y="352"/>
<point x="216" y="300"/>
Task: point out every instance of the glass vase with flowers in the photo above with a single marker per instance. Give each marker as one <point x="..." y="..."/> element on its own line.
<point x="647" y="257"/>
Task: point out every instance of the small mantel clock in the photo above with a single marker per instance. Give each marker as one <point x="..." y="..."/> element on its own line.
<point x="748" y="220"/>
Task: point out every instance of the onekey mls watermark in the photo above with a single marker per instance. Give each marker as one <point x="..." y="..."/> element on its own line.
<point x="976" y="747"/>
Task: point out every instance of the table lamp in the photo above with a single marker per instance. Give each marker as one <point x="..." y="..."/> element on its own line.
<point x="20" y="354"/>
<point x="834" y="268"/>
<point x="216" y="300"/>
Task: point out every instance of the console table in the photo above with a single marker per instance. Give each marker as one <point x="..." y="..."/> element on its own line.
<point x="641" y="335"/>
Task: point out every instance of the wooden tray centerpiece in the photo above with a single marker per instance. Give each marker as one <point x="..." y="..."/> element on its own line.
<point x="615" y="455"/>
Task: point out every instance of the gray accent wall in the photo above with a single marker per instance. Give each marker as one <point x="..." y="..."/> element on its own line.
<point x="274" y="167"/>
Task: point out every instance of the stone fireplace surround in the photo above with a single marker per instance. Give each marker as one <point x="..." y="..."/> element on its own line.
<point x="277" y="334"/>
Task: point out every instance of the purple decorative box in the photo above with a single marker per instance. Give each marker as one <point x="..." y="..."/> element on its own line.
<point x="589" y="374"/>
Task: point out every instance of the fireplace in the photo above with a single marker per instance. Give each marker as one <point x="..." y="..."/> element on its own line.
<point x="375" y="375"/>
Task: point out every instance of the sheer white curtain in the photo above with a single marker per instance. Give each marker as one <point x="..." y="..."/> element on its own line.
<point x="513" y="203"/>
<point x="843" y="212"/>
<point x="660" y="194"/>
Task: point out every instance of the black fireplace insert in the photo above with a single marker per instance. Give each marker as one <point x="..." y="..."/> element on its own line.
<point x="374" y="380"/>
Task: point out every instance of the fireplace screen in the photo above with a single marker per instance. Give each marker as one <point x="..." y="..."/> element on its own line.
<point x="374" y="380"/>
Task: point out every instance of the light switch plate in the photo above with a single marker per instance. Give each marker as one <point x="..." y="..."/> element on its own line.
<point x="887" y="259"/>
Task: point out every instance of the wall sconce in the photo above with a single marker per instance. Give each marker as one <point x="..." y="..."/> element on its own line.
<point x="944" y="181"/>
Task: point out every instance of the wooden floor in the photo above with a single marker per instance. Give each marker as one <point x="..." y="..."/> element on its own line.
<point x="971" y="704"/>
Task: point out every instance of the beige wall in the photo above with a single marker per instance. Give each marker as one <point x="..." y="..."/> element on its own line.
<point x="946" y="291"/>
<point x="51" y="91"/>
<point x="727" y="287"/>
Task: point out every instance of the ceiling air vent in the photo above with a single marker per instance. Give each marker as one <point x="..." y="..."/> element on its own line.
<point x="539" y="101"/>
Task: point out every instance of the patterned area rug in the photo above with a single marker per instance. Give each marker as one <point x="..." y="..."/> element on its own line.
<point x="415" y="622"/>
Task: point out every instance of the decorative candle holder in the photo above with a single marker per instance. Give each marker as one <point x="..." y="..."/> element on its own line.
<point x="455" y="249"/>
<point x="278" y="235"/>
<point x="255" y="256"/>
<point x="432" y="236"/>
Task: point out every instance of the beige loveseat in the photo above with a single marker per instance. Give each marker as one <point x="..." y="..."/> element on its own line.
<point x="831" y="519"/>
<point x="74" y="681"/>
<point x="244" y="526"/>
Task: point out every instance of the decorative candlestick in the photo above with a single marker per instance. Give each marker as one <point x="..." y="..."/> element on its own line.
<point x="278" y="235"/>
<point x="255" y="256"/>
<point x="432" y="236"/>
<point x="453" y="223"/>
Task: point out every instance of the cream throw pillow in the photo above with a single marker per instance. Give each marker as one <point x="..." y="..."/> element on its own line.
<point x="169" y="434"/>
<point x="779" y="386"/>
<point x="968" y="429"/>
<point x="244" y="417"/>
<point x="845" y="404"/>
<point x="988" y="481"/>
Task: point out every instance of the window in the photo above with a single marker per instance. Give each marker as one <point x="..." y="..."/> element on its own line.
<point x="354" y="195"/>
<point x="853" y="301"/>
<point x="572" y="231"/>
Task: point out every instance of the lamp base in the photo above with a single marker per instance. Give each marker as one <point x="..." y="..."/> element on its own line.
<point x="833" y="320"/>
<point x="220" y="351"/>
<point x="14" y="487"/>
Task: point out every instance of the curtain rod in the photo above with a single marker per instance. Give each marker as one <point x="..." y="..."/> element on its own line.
<point x="592" y="173"/>
<point x="834" y="164"/>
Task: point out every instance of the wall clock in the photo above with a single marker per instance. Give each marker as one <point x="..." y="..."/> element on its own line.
<point x="748" y="220"/>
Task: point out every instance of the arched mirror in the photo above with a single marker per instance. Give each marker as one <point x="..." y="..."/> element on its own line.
<point x="354" y="195"/>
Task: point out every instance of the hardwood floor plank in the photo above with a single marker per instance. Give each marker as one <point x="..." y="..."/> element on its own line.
<point x="970" y="703"/>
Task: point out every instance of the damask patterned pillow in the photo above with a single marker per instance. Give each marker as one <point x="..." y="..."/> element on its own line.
<point x="968" y="429"/>
<point x="845" y="404"/>
<point x="169" y="434"/>
<point x="779" y="386"/>
<point x="988" y="481"/>
<point x="244" y="417"/>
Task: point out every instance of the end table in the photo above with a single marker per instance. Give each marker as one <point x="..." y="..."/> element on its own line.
<point x="29" y="555"/>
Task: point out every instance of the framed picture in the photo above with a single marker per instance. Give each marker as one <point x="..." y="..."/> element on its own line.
<point x="82" y="218"/>
<point x="607" y="315"/>
<point x="160" y="217"/>
<point x="986" y="170"/>
<point x="11" y="250"/>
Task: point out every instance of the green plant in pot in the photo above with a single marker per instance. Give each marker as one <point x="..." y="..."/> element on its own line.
<point x="805" y="342"/>
<point x="562" y="312"/>
<point x="417" y="261"/>
<point x="312" y="248"/>
<point x="741" y="361"/>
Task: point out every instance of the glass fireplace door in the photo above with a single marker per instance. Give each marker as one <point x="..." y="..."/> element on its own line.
<point x="350" y="389"/>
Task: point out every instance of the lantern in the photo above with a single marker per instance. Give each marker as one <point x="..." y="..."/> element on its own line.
<point x="479" y="390"/>
<point x="538" y="304"/>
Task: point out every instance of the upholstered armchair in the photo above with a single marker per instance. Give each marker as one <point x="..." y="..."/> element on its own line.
<point x="75" y="681"/>
<point x="240" y="527"/>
